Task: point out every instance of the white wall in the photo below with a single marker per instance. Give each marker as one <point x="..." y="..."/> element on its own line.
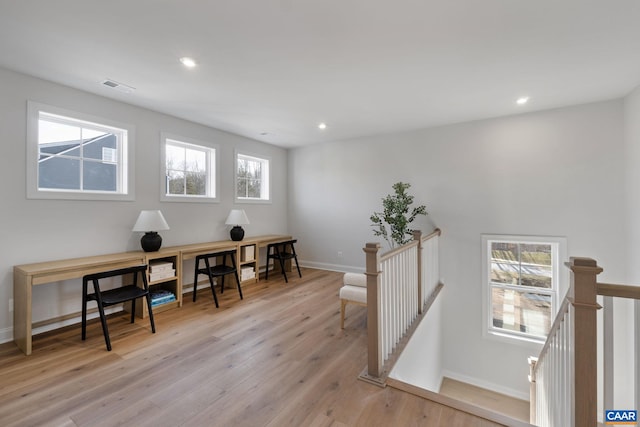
<point x="556" y="173"/>
<point x="632" y="168"/>
<point x="625" y="360"/>
<point x="420" y="363"/>
<point x="40" y="230"/>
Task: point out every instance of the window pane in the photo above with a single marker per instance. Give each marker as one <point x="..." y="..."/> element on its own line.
<point x="241" y="190"/>
<point x="53" y="132"/>
<point x="93" y="147"/>
<point x="175" y="182"/>
<point x="254" y="169"/>
<point x="536" y="254"/>
<point x="57" y="138"/>
<point x="59" y="173"/>
<point x="521" y="264"/>
<point x="536" y="265"/>
<point x="196" y="183"/>
<point x="175" y="157"/>
<point x="242" y="168"/>
<point x="98" y="176"/>
<point x="518" y="311"/>
<point x="196" y="161"/>
<point x="505" y="264"/>
<point x="253" y="188"/>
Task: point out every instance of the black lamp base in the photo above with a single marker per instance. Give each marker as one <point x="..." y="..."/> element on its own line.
<point x="151" y="241"/>
<point x="237" y="233"/>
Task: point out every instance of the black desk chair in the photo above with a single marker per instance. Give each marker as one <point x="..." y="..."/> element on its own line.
<point x="115" y="296"/>
<point x="218" y="270"/>
<point x="282" y="251"/>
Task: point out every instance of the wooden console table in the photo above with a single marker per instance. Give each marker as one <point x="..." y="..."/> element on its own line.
<point x="26" y="276"/>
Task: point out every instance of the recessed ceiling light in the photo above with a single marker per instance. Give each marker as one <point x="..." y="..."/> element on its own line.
<point x="522" y="100"/>
<point x="188" y="62"/>
<point x="322" y="125"/>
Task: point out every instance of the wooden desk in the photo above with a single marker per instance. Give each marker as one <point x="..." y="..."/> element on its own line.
<point x="26" y="276"/>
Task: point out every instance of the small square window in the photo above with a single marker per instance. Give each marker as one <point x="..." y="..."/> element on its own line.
<point x="252" y="178"/>
<point x="189" y="170"/>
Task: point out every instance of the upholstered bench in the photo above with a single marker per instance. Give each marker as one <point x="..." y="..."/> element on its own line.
<point x="353" y="291"/>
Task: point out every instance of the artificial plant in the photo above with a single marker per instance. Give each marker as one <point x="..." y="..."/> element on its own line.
<point x="397" y="214"/>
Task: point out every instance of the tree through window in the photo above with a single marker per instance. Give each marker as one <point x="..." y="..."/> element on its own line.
<point x="252" y="178"/>
<point x="189" y="170"/>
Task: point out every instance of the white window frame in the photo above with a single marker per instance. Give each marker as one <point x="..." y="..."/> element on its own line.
<point x="211" y="151"/>
<point x="266" y="178"/>
<point x="125" y="158"/>
<point x="559" y="285"/>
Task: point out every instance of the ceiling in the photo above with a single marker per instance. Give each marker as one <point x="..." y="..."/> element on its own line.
<point x="272" y="70"/>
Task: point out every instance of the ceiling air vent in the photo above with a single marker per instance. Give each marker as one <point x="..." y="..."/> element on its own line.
<point x="118" y="86"/>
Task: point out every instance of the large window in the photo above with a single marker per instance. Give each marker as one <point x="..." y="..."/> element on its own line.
<point x="521" y="279"/>
<point x="189" y="170"/>
<point x="252" y="178"/>
<point x="73" y="156"/>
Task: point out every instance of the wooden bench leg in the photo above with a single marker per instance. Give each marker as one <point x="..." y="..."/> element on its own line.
<point x="343" y="304"/>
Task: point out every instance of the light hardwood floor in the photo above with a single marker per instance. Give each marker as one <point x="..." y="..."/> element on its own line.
<point x="277" y="358"/>
<point x="506" y="405"/>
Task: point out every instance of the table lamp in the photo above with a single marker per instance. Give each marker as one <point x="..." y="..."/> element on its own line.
<point x="237" y="217"/>
<point x="150" y="220"/>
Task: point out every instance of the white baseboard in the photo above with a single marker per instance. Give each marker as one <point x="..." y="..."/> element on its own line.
<point x="331" y="267"/>
<point x="6" y="335"/>
<point x="486" y="385"/>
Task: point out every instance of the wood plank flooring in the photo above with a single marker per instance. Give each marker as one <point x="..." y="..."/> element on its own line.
<point x="277" y="358"/>
<point x="507" y="405"/>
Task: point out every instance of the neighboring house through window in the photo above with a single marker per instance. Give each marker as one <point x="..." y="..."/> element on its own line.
<point x="521" y="284"/>
<point x="189" y="170"/>
<point x="252" y="178"/>
<point x="74" y="156"/>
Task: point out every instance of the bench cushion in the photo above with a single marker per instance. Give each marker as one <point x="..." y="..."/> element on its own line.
<point x="355" y="279"/>
<point x="354" y="293"/>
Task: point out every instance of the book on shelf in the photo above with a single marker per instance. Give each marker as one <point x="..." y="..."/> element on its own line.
<point x="160" y="266"/>
<point x="161" y="296"/>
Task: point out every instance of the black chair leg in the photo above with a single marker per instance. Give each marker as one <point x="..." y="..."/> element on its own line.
<point x="221" y="285"/>
<point x="195" y="283"/>
<point x="297" y="266"/>
<point x="283" y="270"/>
<point x="153" y="323"/>
<point x="213" y="291"/>
<point x="133" y="310"/>
<point x="238" y="282"/>
<point x="84" y="310"/>
<point x="103" y="318"/>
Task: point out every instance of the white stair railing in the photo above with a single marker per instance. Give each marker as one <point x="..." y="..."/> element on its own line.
<point x="564" y="376"/>
<point x="399" y="284"/>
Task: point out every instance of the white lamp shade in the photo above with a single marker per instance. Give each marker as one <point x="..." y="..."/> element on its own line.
<point x="150" y="221"/>
<point x="237" y="217"/>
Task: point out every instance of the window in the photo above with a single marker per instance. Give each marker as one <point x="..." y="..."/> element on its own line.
<point x="189" y="172"/>
<point x="252" y="178"/>
<point x="73" y="156"/>
<point x="521" y="281"/>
